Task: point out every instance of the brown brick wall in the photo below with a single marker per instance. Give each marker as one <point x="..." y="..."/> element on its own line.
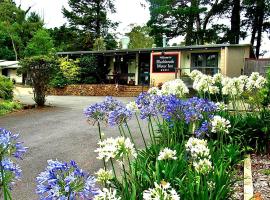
<point x="98" y="90"/>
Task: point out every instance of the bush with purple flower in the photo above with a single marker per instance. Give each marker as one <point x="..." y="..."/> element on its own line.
<point x="65" y="181"/>
<point x="10" y="171"/>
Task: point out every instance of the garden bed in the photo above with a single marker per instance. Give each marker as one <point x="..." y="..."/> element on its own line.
<point x="261" y="176"/>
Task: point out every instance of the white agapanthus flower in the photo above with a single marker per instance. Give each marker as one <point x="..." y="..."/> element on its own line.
<point x="107" y="149"/>
<point x="202" y="166"/>
<point x="205" y="83"/>
<point x="154" y="90"/>
<point x="167" y="154"/>
<point x="232" y="86"/>
<point x="175" y="87"/>
<point x="195" y="74"/>
<point x="104" y="176"/>
<point x="220" y="124"/>
<point x="132" y="106"/>
<point x="117" y="148"/>
<point x="221" y="106"/>
<point x="125" y="147"/>
<point x="164" y="191"/>
<point x="217" y="78"/>
<point x="107" y="194"/>
<point x="197" y="148"/>
<point x="255" y="81"/>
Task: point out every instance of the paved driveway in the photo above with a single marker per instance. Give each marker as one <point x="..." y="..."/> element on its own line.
<point x="58" y="132"/>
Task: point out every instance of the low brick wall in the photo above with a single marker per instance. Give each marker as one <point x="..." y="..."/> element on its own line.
<point x="98" y="90"/>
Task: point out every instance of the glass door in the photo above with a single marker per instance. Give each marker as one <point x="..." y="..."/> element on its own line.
<point x="207" y="63"/>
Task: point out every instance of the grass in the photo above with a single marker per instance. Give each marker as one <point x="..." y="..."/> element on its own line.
<point x="8" y="106"/>
<point x="265" y="172"/>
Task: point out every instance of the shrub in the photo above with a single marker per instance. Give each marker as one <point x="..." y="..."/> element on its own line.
<point x="66" y="72"/>
<point x="6" y="88"/>
<point x="39" y="70"/>
<point x="92" y="69"/>
<point x="9" y="106"/>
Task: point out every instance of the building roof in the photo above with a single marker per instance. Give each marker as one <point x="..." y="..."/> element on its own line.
<point x="4" y="64"/>
<point x="157" y="49"/>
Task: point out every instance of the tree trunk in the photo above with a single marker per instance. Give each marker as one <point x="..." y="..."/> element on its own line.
<point x="234" y="35"/>
<point x="98" y="20"/>
<point x="261" y="10"/>
<point x="191" y="18"/>
<point x="14" y="47"/>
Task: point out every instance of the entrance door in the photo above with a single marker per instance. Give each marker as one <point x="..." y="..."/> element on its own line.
<point x="207" y="63"/>
<point x="144" y="69"/>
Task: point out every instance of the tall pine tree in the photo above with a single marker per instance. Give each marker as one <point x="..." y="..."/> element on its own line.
<point x="90" y="18"/>
<point x="189" y="18"/>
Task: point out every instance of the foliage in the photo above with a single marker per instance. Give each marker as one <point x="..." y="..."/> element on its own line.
<point x="265" y="92"/>
<point x="39" y="70"/>
<point x="190" y="20"/>
<point x="91" y="17"/>
<point x="66" y="72"/>
<point x="40" y="44"/>
<point x="139" y="37"/>
<point x="16" y="29"/>
<point x="90" y="72"/>
<point x="6" y="88"/>
<point x="9" y="106"/>
<point x="257" y="15"/>
<point x="110" y="41"/>
<point x="252" y="130"/>
<point x="99" y="44"/>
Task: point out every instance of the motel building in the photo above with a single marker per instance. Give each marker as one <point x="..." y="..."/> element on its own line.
<point x="153" y="66"/>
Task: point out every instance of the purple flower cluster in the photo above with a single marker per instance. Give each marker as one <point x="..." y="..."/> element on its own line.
<point x="110" y="111"/>
<point x="65" y="181"/>
<point x="9" y="146"/>
<point x="148" y="105"/>
<point x="11" y="169"/>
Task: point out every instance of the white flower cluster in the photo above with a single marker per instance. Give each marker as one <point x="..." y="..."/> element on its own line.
<point x="230" y="86"/>
<point x="107" y="194"/>
<point x="200" y="155"/>
<point x="175" y="87"/>
<point x="104" y="176"/>
<point x="163" y="191"/>
<point x="255" y="81"/>
<point x="167" y="154"/>
<point x="204" y="83"/>
<point x="197" y="148"/>
<point x="154" y="90"/>
<point x="220" y="124"/>
<point x="221" y="106"/>
<point x="115" y="148"/>
<point x="233" y="86"/>
<point x="132" y="106"/>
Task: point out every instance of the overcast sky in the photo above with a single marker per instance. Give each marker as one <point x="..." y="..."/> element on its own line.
<point x="128" y="12"/>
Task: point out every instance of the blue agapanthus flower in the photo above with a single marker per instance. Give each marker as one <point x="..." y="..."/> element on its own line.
<point x="11" y="170"/>
<point x="119" y="116"/>
<point x="148" y="105"/>
<point x="203" y="130"/>
<point x="99" y="112"/>
<point x="9" y="146"/>
<point x="65" y="181"/>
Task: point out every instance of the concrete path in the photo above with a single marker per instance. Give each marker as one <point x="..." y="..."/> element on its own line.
<point x="58" y="132"/>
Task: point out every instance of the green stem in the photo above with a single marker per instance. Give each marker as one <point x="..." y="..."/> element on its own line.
<point x="140" y="128"/>
<point x="129" y="132"/>
<point x="114" y="173"/>
<point x="100" y="137"/>
<point x="5" y="189"/>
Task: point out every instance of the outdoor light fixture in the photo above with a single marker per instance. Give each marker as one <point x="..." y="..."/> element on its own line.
<point x="122" y="59"/>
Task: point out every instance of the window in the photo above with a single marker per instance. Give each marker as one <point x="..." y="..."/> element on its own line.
<point x="207" y="63"/>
